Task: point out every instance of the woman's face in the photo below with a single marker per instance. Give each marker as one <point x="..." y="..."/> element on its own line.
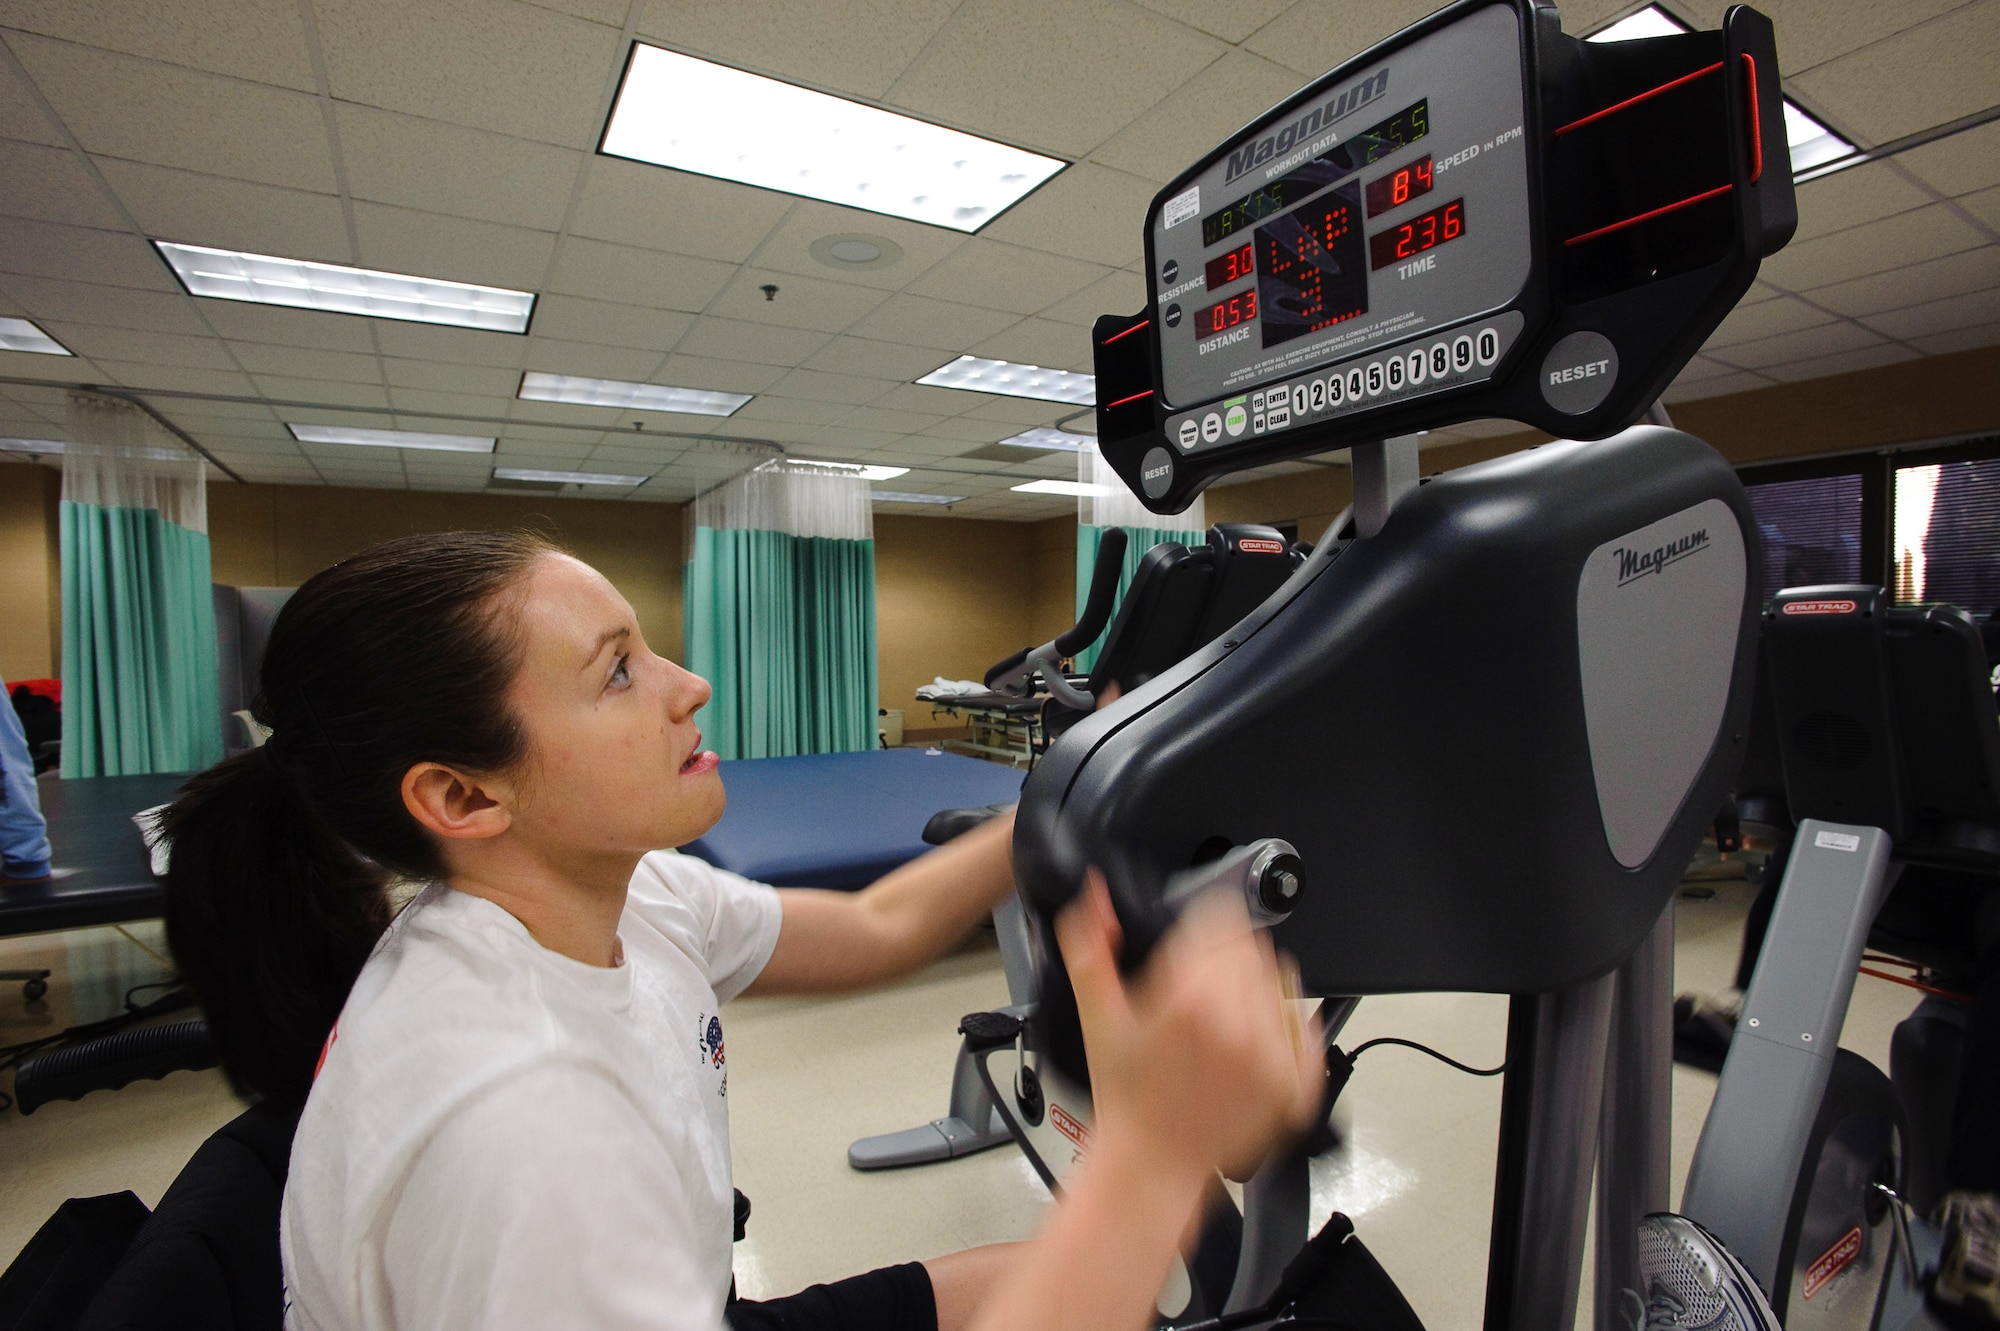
<point x="615" y="763"/>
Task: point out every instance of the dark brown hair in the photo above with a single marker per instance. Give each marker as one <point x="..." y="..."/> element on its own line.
<point x="282" y="856"/>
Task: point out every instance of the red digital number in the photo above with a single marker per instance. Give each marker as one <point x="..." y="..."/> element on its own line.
<point x="1454" y="220"/>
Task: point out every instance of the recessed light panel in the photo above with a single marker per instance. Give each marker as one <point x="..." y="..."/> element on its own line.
<point x="539" y="387"/>
<point x="692" y="115"/>
<point x="1652" y="21"/>
<point x="1011" y="380"/>
<point x="1076" y="489"/>
<point x="44" y="447"/>
<point x="1046" y="438"/>
<point x="267" y="279"/>
<point x="341" y="434"/>
<point x="567" y="477"/>
<point x="1812" y="143"/>
<point x="903" y="497"/>
<point x="866" y="471"/>
<point x="20" y="335"/>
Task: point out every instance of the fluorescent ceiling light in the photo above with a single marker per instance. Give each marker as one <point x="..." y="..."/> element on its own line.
<point x="20" y="335"/>
<point x="674" y="110"/>
<point x="1010" y="380"/>
<point x="266" y="279"/>
<point x="1079" y="489"/>
<point x="1812" y="143"/>
<point x="1652" y="21"/>
<point x="866" y="471"/>
<point x="45" y="447"/>
<point x="341" y="434"/>
<point x="567" y="477"/>
<point x="1047" y="437"/>
<point x="539" y="387"/>
<point x="903" y="497"/>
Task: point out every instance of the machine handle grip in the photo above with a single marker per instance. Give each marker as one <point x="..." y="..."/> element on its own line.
<point x="1103" y="591"/>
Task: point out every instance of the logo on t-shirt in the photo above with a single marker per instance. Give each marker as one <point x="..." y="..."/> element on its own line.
<point x="708" y="1045"/>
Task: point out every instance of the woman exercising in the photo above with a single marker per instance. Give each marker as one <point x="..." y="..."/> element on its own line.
<point x="514" y="1086"/>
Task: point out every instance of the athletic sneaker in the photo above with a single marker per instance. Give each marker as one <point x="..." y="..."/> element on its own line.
<point x="1968" y="1277"/>
<point x="1693" y="1284"/>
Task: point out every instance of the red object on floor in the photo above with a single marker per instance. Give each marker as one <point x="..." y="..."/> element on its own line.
<point x="47" y="688"/>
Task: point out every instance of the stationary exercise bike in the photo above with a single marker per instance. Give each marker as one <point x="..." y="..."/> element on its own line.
<point x="1399" y="828"/>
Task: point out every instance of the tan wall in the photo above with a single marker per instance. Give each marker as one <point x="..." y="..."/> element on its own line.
<point x="30" y="597"/>
<point x="952" y="596"/>
<point x="279" y="535"/>
<point x="1052" y="546"/>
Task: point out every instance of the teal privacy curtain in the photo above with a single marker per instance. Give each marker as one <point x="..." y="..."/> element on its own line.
<point x="1107" y="503"/>
<point x="779" y="612"/>
<point x="140" y="680"/>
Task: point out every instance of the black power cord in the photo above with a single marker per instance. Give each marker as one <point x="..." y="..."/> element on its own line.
<point x="1366" y="1045"/>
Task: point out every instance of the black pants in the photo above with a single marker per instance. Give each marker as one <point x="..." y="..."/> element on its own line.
<point x="895" y="1298"/>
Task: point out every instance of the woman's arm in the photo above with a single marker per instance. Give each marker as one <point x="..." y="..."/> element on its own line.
<point x="847" y="940"/>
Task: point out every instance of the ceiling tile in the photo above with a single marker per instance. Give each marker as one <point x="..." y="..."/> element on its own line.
<point x="1006" y="277"/>
<point x="490" y="380"/>
<point x="724" y="376"/>
<point x="919" y="321"/>
<point x="1040" y="342"/>
<point x="259" y="40"/>
<point x="229" y="214"/>
<point x="1201" y="113"/>
<point x="1022" y="411"/>
<point x="643" y="277"/>
<point x="1859" y="194"/>
<point x="802" y="302"/>
<point x="1231" y="22"/>
<point x="1843" y="362"/>
<point x="1023" y="73"/>
<point x="878" y="360"/>
<point x="1315" y="35"/>
<point x="34" y="365"/>
<point x="1922" y="76"/>
<point x="886" y="422"/>
<point x="1811" y="32"/>
<point x="732" y="339"/>
<point x="1807" y="344"/>
<point x="856" y="48"/>
<point x="1088" y="212"/>
<point x="1747" y="324"/>
<point x="1893" y="242"/>
<point x="240" y="321"/>
<point x="174" y="378"/>
<point x="302" y="363"/>
<point x="575" y="319"/>
<point x="1968" y="270"/>
<point x="21" y="115"/>
<point x="428" y="342"/>
<point x="453" y="404"/>
<point x="496" y="64"/>
<point x="325" y="392"/>
<point x="448" y="168"/>
<point x="127" y="344"/>
<point x="852" y="389"/>
<point x="959" y="431"/>
<point x="1965" y="339"/>
<point x="1939" y="316"/>
<point x="92" y="303"/>
<point x="1960" y="164"/>
<point x="402" y="240"/>
<point x="636" y="203"/>
<point x="1721" y="385"/>
<point x="51" y="185"/>
<point x="591" y="360"/>
<point x="115" y="258"/>
<point x="1120" y="293"/>
<point x="1985" y="205"/>
<point x="121" y="107"/>
<point x="928" y="400"/>
<point x="788" y="249"/>
<point x="768" y="409"/>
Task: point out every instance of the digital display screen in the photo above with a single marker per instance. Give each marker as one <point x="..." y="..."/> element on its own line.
<point x="1226" y="314"/>
<point x="1335" y="164"/>
<point x="1420" y="233"/>
<point x="1309" y="267"/>
<point x="1399" y="186"/>
<point x="1227" y="268"/>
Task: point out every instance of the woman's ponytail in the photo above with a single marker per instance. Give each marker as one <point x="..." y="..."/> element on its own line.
<point x="281" y="857"/>
<point x="269" y="916"/>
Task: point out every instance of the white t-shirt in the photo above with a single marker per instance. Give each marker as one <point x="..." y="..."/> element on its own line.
<point x="500" y="1136"/>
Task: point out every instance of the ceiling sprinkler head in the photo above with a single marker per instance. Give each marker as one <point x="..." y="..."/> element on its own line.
<point x="770" y="290"/>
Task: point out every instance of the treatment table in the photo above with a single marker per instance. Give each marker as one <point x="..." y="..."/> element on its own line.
<point x="841" y="819"/>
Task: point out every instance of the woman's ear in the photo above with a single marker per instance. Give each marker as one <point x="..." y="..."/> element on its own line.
<point x="455" y="805"/>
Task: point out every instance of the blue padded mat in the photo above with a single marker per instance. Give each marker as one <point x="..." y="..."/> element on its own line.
<point x="842" y="819"/>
